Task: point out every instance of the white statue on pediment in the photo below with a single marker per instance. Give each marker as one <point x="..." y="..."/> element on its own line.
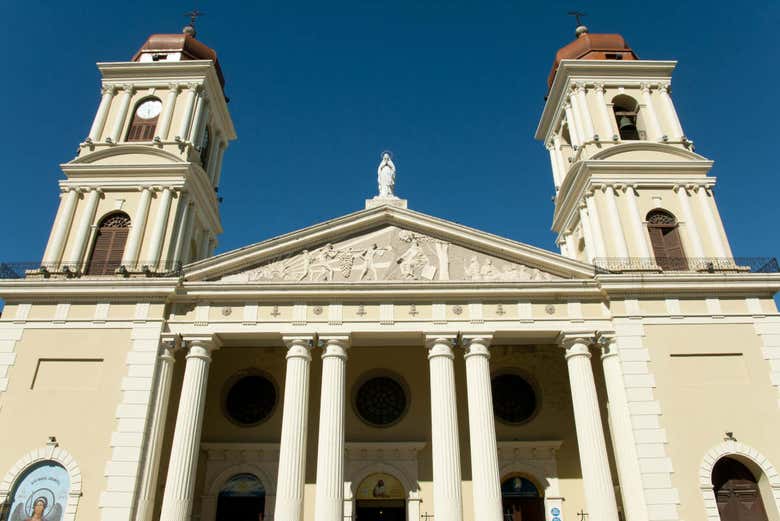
<point x="386" y="177"/>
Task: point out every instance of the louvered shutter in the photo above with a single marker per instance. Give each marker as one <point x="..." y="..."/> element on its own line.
<point x="674" y="249"/>
<point x="109" y="245"/>
<point x="142" y="129"/>
<point x="659" y="248"/>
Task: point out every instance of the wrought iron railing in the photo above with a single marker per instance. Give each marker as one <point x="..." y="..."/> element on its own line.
<point x="22" y="270"/>
<point x="687" y="264"/>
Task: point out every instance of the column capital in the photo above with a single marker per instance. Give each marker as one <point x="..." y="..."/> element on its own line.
<point x="576" y="343"/>
<point x="607" y="343"/>
<point x="200" y="346"/>
<point x="645" y="87"/>
<point x="299" y="346"/>
<point x="440" y="344"/>
<point x="129" y="88"/>
<point x="335" y="346"/>
<point x="477" y="344"/>
<point x="108" y="89"/>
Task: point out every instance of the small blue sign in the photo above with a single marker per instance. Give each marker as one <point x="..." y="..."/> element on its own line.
<point x="555" y="511"/>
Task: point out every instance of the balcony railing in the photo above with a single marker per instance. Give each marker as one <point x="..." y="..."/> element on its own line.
<point x="687" y="265"/>
<point x="26" y="270"/>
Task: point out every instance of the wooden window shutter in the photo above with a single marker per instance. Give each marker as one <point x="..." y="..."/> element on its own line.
<point x="665" y="239"/>
<point x="109" y="245"/>
<point x="142" y="129"/>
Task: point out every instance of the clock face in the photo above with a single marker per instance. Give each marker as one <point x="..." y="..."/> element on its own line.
<point x="149" y="109"/>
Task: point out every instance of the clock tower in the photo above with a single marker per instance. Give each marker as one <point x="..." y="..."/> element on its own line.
<point x="141" y="194"/>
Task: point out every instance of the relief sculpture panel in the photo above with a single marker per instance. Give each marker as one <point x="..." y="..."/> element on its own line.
<point x="389" y="254"/>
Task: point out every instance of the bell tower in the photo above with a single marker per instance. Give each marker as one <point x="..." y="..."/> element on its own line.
<point x="141" y="194"/>
<point x="629" y="189"/>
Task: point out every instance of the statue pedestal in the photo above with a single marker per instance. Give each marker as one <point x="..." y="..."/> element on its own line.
<point x="386" y="201"/>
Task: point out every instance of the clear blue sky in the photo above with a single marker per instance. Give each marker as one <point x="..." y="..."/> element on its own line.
<point x="454" y="89"/>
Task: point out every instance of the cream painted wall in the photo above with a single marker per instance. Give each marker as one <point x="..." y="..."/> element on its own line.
<point x="702" y="397"/>
<point x="57" y="373"/>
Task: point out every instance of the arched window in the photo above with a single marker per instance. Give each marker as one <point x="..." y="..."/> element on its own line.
<point x="521" y="500"/>
<point x="144" y="121"/>
<point x="665" y="238"/>
<point x="109" y="244"/>
<point x="41" y="492"/>
<point x="626" y="111"/>
<point x="242" y="497"/>
<point x="736" y="492"/>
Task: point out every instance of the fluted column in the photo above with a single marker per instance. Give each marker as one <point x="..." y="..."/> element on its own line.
<point x="619" y="237"/>
<point x="138" y="226"/>
<point x="555" y="167"/>
<point x="574" y="129"/>
<point x="563" y="165"/>
<point x="485" y="478"/>
<point x="605" y="128"/>
<point x="164" y="126"/>
<point x="671" y="113"/>
<point x="189" y="108"/>
<point x="53" y="254"/>
<point x="124" y="107"/>
<point x="82" y="232"/>
<point x="599" y="247"/>
<point x="99" y="123"/>
<point x="329" y="501"/>
<point x="623" y="441"/>
<point x="151" y="468"/>
<point x="447" y="501"/>
<point x="587" y="120"/>
<point x="596" y="477"/>
<point x="713" y="229"/>
<point x="218" y="168"/>
<point x="571" y="244"/>
<point x="292" y="449"/>
<point x="181" y="233"/>
<point x="654" y="132"/>
<point x="587" y="233"/>
<point x="183" y="465"/>
<point x="694" y="237"/>
<point x="160" y="225"/>
<point x="637" y="228"/>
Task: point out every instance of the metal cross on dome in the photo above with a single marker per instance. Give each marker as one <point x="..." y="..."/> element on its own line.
<point x="578" y="15"/>
<point x="194" y="14"/>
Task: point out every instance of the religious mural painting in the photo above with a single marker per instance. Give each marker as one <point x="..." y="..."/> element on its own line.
<point x="389" y="254"/>
<point x="41" y="494"/>
<point x="380" y="486"/>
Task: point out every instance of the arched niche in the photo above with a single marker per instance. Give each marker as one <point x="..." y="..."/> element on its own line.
<point x="217" y="485"/>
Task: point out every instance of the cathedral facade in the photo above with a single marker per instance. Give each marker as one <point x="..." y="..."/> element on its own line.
<point x="389" y="365"/>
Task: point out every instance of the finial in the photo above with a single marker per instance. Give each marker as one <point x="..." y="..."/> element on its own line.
<point x="189" y="29"/>
<point x="581" y="28"/>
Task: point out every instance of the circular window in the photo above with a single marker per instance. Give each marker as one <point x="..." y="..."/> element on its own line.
<point x="250" y="400"/>
<point x="381" y="401"/>
<point x="514" y="399"/>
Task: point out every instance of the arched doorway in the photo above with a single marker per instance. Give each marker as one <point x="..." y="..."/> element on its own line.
<point x="736" y="492"/>
<point x="242" y="498"/>
<point x="380" y="497"/>
<point x="521" y="500"/>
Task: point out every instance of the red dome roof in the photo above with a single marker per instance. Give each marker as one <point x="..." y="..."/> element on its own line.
<point x="177" y="47"/>
<point x="593" y="47"/>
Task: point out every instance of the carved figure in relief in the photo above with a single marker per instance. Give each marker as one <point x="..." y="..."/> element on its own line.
<point x="386" y="176"/>
<point x="369" y="260"/>
<point x="306" y="257"/>
<point x="412" y="260"/>
<point x="488" y="271"/>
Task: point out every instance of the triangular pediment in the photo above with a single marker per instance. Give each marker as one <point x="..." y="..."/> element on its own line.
<point x="387" y="244"/>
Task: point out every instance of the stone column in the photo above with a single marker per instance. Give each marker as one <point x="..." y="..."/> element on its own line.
<point x="605" y="130"/>
<point x="621" y="247"/>
<point x="201" y="113"/>
<point x="183" y="465"/>
<point x="671" y="113"/>
<point x="160" y="225"/>
<point x="447" y="502"/>
<point x="654" y="131"/>
<point x="151" y="468"/>
<point x="181" y="233"/>
<point x="53" y="254"/>
<point x="713" y="229"/>
<point x="485" y="478"/>
<point x="99" y="123"/>
<point x="138" y="227"/>
<point x="637" y="228"/>
<point x="292" y="450"/>
<point x="189" y="107"/>
<point x="85" y="224"/>
<point x="124" y="107"/>
<point x="584" y="111"/>
<point x="563" y="166"/>
<point x="586" y="232"/>
<point x="596" y="477"/>
<point x="329" y="501"/>
<point x="164" y="126"/>
<point x="557" y="177"/>
<point x="599" y="247"/>
<point x="574" y="130"/>
<point x="623" y="442"/>
<point x="218" y="168"/>
<point x="571" y="244"/>
<point x="694" y="238"/>
<point x="210" y="167"/>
